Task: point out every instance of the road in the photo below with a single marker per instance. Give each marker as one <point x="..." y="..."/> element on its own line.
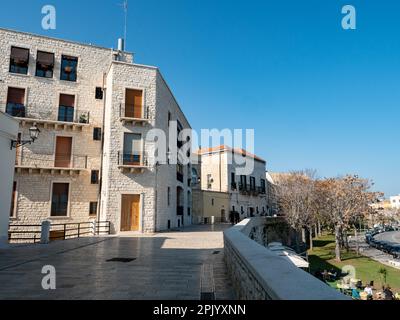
<point x="392" y="237"/>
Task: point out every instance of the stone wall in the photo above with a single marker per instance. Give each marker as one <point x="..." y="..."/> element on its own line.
<point x="260" y="274"/>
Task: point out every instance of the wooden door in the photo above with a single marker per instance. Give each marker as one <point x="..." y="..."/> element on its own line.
<point x="133" y="103"/>
<point x="130" y="212"/>
<point x="63" y="152"/>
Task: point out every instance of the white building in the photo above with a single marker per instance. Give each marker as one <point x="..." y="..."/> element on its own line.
<point x="247" y="192"/>
<point x="8" y="133"/>
<point x="395" y="202"/>
<point x="94" y="107"/>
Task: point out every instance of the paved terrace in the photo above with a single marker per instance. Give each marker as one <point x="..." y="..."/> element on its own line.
<point x="172" y="265"/>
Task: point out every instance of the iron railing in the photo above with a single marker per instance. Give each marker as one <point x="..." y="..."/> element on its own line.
<point x="58" y="231"/>
<point x="50" y="160"/>
<point x="133" y="159"/>
<point x="21" y="111"/>
<point x="129" y="110"/>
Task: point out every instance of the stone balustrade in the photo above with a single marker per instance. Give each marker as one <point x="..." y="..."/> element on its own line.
<point x="260" y="274"/>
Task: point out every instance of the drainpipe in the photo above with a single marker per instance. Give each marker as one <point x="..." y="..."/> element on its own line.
<point x="99" y="207"/>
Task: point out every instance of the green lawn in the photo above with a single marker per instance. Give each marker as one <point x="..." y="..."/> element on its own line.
<point x="323" y="257"/>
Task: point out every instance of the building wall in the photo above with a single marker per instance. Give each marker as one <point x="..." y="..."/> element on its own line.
<point x="395" y="202"/>
<point x="154" y="181"/>
<point x="220" y="165"/>
<point x="209" y="204"/>
<point x="97" y="67"/>
<point x="8" y="132"/>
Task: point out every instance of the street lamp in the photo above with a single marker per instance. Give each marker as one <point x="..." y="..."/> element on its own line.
<point x="33" y="133"/>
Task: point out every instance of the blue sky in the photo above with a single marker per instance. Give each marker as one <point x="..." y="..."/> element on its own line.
<point x="317" y="96"/>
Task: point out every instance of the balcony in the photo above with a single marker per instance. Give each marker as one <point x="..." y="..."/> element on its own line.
<point x="16" y="110"/>
<point x="132" y="163"/>
<point x="35" y="163"/>
<point x="248" y="189"/>
<point x="233" y="186"/>
<point x="76" y="121"/>
<point x="128" y="115"/>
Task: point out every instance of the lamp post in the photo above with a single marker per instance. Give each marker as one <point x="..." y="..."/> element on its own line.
<point x="33" y="133"/>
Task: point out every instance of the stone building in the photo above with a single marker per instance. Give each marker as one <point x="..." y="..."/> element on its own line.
<point x="94" y="107"/>
<point x="246" y="193"/>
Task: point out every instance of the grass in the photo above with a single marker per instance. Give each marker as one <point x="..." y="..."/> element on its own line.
<point x="323" y="257"/>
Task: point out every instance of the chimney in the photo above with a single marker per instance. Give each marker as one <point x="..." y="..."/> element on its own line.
<point x="121" y="44"/>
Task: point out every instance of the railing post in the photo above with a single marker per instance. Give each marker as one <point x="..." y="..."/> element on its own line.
<point x="94" y="227"/>
<point x="45" y="232"/>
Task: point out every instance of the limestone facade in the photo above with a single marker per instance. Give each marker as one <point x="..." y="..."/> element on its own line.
<point x="91" y="165"/>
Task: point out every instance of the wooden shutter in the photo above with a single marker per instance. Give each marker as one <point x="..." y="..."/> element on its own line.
<point x="45" y="58"/>
<point x="16" y="95"/>
<point x="20" y="54"/>
<point x="67" y="100"/>
<point x="63" y="152"/>
<point x="133" y="103"/>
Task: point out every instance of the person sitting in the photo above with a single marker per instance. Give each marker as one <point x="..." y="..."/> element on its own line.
<point x="388" y="293"/>
<point x="368" y="291"/>
<point x="355" y="294"/>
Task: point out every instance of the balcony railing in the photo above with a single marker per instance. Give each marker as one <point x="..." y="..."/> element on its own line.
<point x="249" y="189"/>
<point x="39" y="162"/>
<point x="233" y="185"/>
<point x="132" y="159"/>
<point x="130" y="114"/>
<point x="59" y="120"/>
<point x="16" y="110"/>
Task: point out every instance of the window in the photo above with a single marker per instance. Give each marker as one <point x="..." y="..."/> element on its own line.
<point x="66" y="108"/>
<point x="169" y="196"/>
<point x="133" y="103"/>
<point x="97" y="134"/>
<point x="243" y="182"/>
<point x="179" y="172"/>
<point x="19" y="60"/>
<point x="59" y="200"/>
<point x="209" y="181"/>
<point x="233" y="181"/>
<point x="44" y="64"/>
<point x="212" y="201"/>
<point x="169" y="118"/>
<point x="132" y="152"/>
<point x="69" y="68"/>
<point x="13" y="199"/>
<point x="241" y="209"/>
<point x="16" y="102"/>
<point x="99" y="93"/>
<point x="262" y="185"/>
<point x="179" y="129"/>
<point x="252" y="183"/>
<point x="94" y="177"/>
<point x="93" y="208"/>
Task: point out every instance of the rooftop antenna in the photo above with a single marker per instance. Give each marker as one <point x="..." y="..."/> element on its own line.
<point x="125" y="7"/>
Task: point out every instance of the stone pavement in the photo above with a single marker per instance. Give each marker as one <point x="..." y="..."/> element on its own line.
<point x="167" y="265"/>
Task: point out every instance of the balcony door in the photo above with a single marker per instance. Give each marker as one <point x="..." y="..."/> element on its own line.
<point x="66" y="108"/>
<point x="134" y="103"/>
<point x="63" y="152"/>
<point x="132" y="153"/>
<point x="16" y="102"/>
<point x="130" y="212"/>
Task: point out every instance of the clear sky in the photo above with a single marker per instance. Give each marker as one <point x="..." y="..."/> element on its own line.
<point x="317" y="96"/>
